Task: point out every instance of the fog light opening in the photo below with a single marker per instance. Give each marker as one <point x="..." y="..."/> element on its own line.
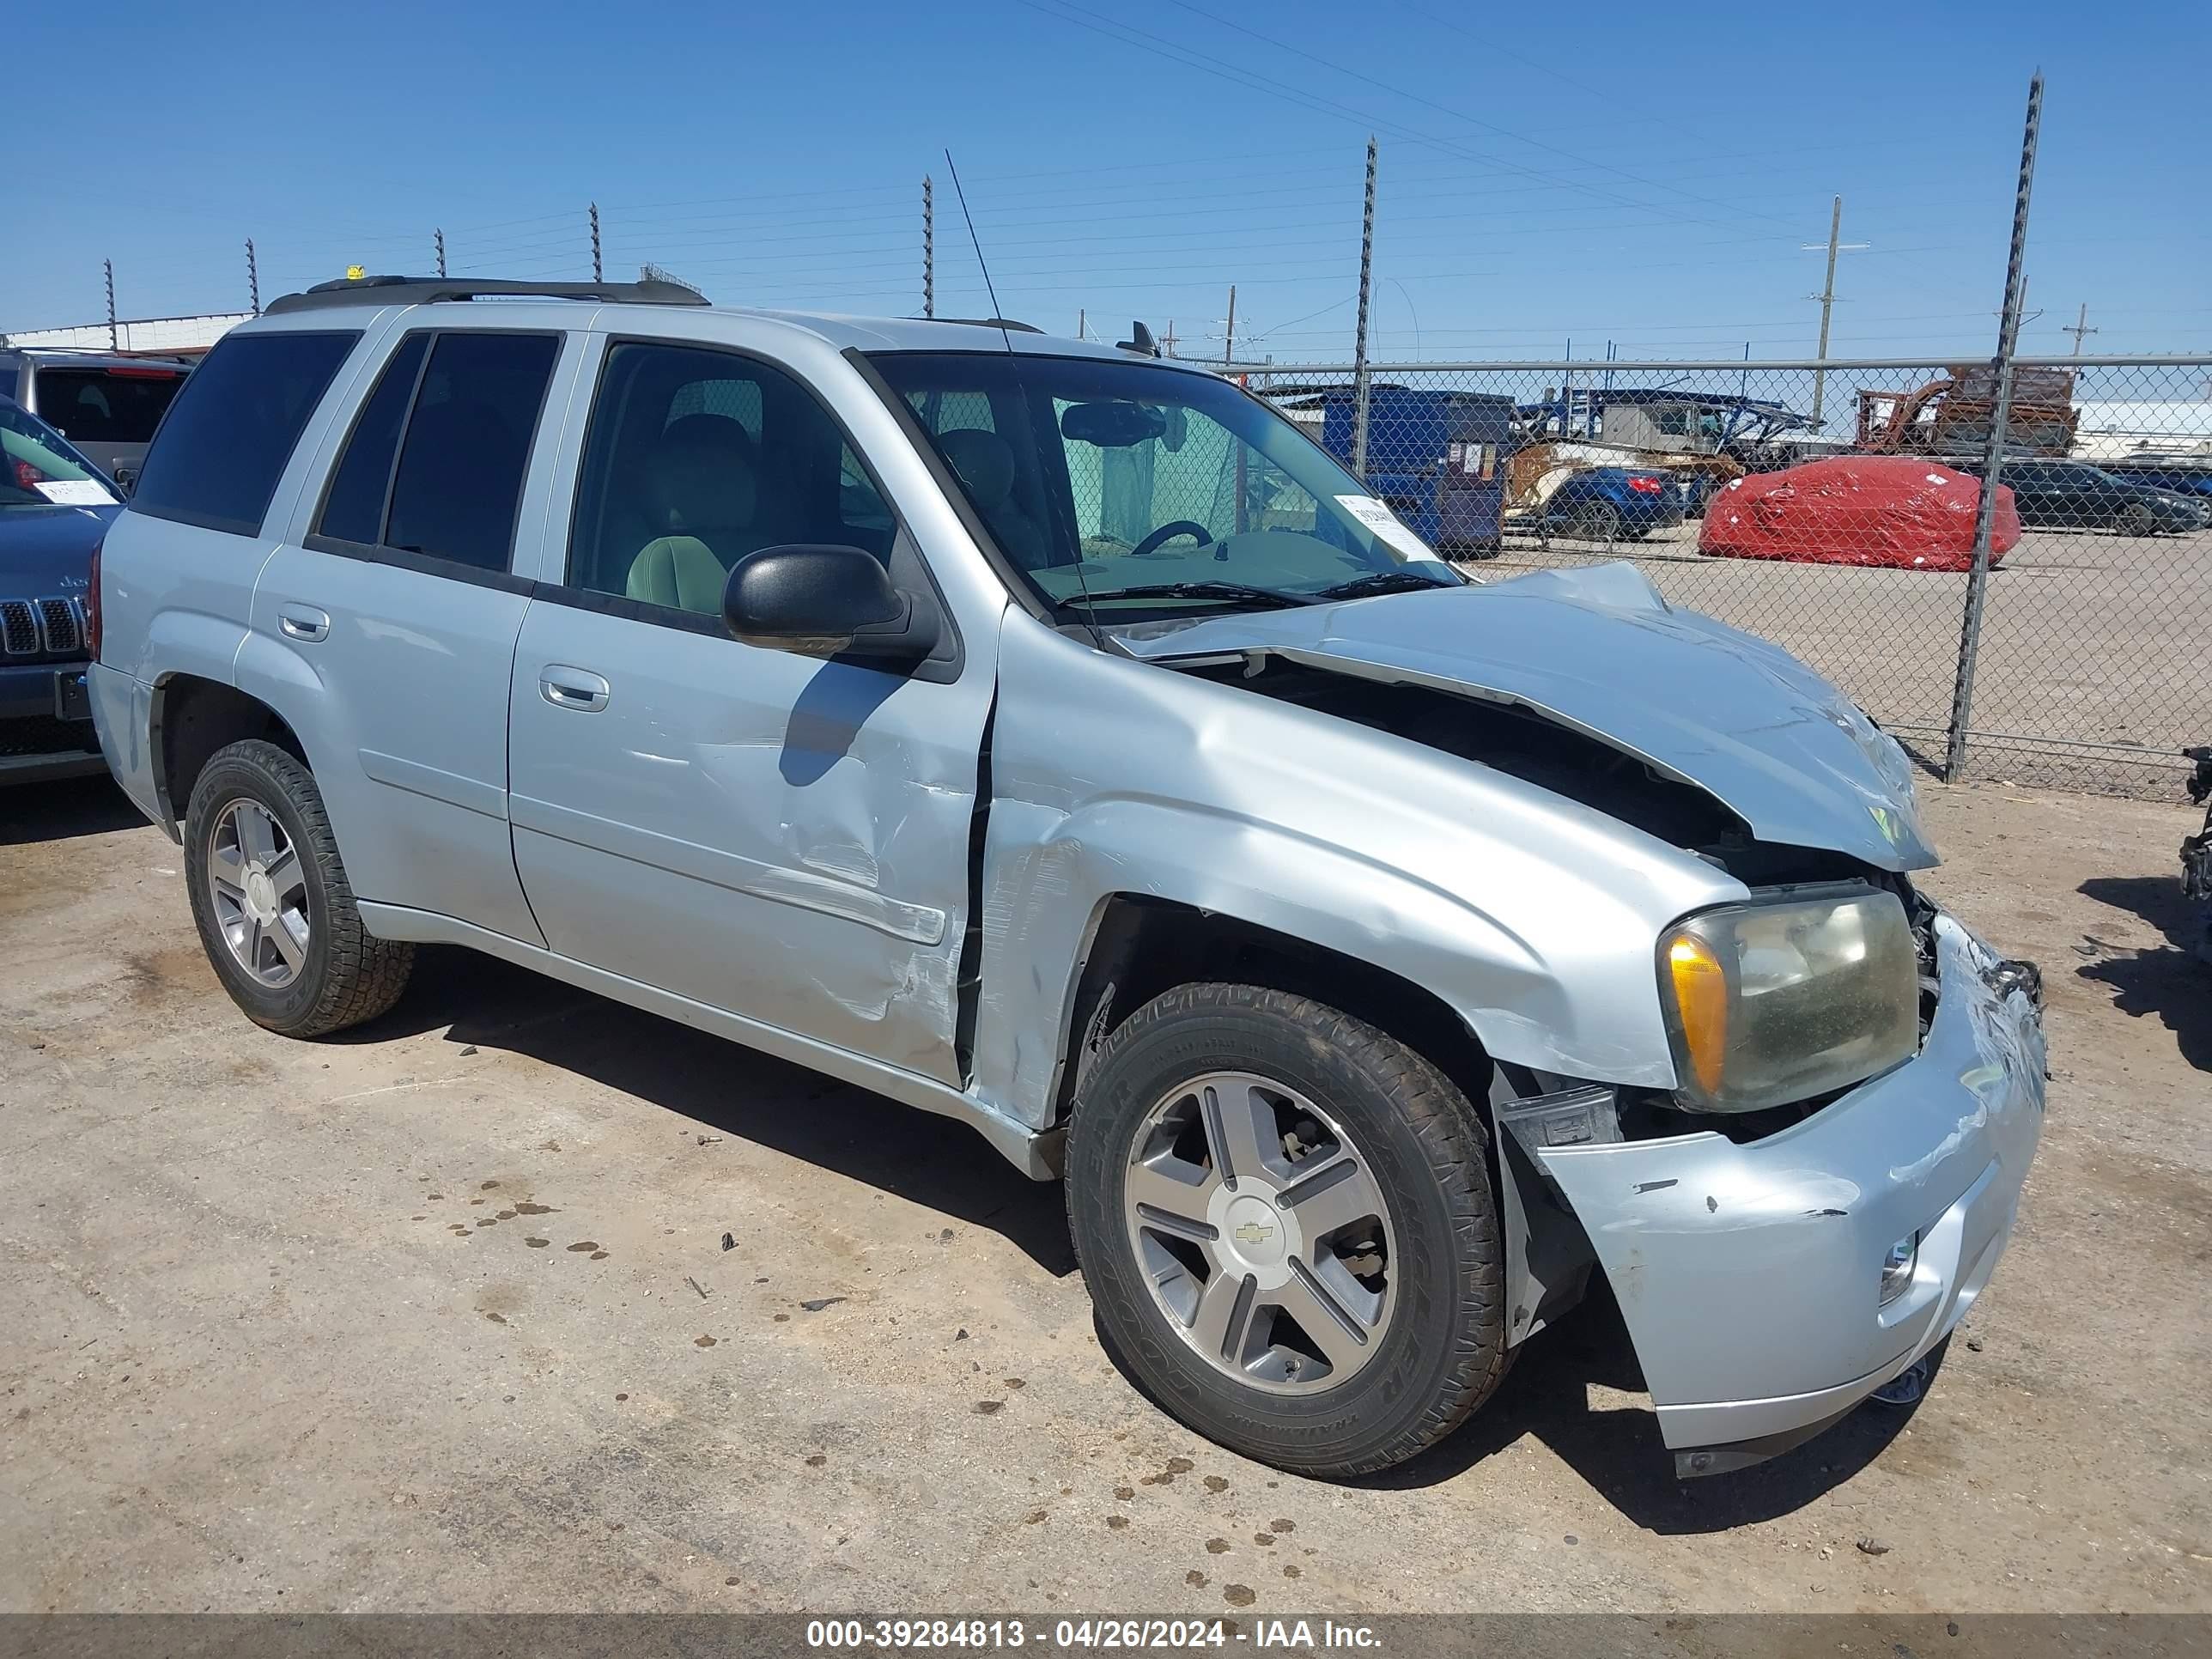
<point x="1897" y="1268"/>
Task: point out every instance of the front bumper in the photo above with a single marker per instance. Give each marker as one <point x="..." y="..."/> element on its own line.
<point x="45" y="724"/>
<point x="1748" y="1275"/>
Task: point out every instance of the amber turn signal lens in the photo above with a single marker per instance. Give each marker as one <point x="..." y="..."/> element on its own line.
<point x="1701" y="1003"/>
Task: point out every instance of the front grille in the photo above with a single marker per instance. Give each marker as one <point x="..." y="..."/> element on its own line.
<point x="57" y="621"/>
<point x="41" y="628"/>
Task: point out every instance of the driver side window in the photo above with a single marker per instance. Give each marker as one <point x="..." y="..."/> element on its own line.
<point x="697" y="458"/>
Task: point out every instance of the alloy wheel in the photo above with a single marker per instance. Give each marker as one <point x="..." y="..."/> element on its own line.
<point x="1262" y="1232"/>
<point x="259" y="888"/>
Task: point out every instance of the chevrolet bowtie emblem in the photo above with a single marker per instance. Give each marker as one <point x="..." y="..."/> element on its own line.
<point x="1253" y="1233"/>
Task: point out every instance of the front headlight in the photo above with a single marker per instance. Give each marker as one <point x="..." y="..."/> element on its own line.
<point x="1768" y="1003"/>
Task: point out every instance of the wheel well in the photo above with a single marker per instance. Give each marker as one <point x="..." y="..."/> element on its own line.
<point x="192" y="719"/>
<point x="1143" y="946"/>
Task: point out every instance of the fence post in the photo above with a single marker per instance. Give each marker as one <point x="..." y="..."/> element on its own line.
<point x="1360" y="333"/>
<point x="1977" y="579"/>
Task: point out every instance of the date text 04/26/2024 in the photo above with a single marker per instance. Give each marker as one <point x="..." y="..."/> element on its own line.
<point x="1086" y="1635"/>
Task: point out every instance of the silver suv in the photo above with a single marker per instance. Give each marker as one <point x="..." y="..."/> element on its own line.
<point x="1056" y="738"/>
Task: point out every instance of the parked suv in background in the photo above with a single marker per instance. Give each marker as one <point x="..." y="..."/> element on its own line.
<point x="54" y="508"/>
<point x="104" y="403"/>
<point x="1055" y="739"/>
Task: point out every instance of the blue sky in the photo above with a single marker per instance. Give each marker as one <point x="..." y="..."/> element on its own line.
<point x="1645" y="176"/>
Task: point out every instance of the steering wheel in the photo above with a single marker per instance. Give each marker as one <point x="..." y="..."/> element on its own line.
<point x="1168" y="532"/>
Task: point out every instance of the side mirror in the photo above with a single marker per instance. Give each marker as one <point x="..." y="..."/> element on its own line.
<point x="820" y="601"/>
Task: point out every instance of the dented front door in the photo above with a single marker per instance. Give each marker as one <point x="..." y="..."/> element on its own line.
<point x="780" y="837"/>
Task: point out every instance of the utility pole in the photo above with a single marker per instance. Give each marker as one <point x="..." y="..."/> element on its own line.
<point x="1827" y="299"/>
<point x="438" y="238"/>
<point x="253" y="279"/>
<point x="1168" y="340"/>
<point x="1229" y="329"/>
<point x="1359" y="335"/>
<point x="2080" y="327"/>
<point x="596" y="273"/>
<point x="114" y="341"/>
<point x="928" y="251"/>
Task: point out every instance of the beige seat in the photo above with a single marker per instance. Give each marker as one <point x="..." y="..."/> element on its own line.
<point x="678" y="570"/>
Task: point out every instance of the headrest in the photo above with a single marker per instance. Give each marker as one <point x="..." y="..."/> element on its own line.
<point x="984" y="462"/>
<point x="702" y="475"/>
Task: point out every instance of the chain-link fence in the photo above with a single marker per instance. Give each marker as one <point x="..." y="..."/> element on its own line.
<point x="1832" y="508"/>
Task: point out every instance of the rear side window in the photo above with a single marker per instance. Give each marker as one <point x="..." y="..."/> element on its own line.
<point x="458" y="486"/>
<point x="353" y="511"/>
<point x="120" y="405"/>
<point x="219" y="455"/>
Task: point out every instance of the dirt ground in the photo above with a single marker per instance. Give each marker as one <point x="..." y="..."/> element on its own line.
<point x="442" y="1316"/>
<point x="2088" y="640"/>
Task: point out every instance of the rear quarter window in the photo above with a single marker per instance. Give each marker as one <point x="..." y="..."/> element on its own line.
<point x="119" y="406"/>
<point x="219" y="454"/>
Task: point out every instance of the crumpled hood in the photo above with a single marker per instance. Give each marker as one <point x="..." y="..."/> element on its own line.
<point x="1599" y="650"/>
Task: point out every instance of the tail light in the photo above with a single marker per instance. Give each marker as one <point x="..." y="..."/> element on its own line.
<point x="1647" y="486"/>
<point x="29" y="476"/>
<point x="92" y="607"/>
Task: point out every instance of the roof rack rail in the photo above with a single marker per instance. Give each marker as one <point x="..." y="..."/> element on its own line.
<point x="429" y="290"/>
<point x="984" y="322"/>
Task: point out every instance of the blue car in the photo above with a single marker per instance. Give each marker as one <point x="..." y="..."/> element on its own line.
<point x="1612" y="503"/>
<point x="2182" y="473"/>
<point x="55" y="506"/>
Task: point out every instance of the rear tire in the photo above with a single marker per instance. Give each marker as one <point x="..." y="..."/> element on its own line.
<point x="269" y="892"/>
<point x="1399" y="1272"/>
<point x="1590" y="522"/>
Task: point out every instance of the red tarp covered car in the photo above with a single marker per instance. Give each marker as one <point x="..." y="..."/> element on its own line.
<point x="1898" y="511"/>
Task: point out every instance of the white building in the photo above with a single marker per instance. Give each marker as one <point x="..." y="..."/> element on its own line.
<point x="2109" y="431"/>
<point x="154" y="335"/>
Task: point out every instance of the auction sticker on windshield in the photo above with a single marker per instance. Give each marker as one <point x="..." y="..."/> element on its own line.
<point x="1386" y="527"/>
<point x="75" y="492"/>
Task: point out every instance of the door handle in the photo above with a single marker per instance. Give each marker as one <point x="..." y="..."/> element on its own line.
<point x="303" y="622"/>
<point x="572" y="688"/>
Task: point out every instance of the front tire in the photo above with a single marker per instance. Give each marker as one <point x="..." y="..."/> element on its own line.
<point x="276" y="914"/>
<point x="1286" y="1221"/>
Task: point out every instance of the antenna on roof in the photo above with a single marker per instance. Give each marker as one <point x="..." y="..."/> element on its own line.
<point x="1140" y="340"/>
<point x="1089" y="610"/>
<point x="989" y="286"/>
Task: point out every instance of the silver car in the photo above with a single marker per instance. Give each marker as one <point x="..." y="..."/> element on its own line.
<point x="1057" y="739"/>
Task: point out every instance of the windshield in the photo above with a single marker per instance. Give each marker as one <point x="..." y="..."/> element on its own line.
<point x="1129" y="489"/>
<point x="38" y="468"/>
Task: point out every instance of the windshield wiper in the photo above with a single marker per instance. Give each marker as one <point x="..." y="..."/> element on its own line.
<point x="1380" y="581"/>
<point x="1273" y="598"/>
